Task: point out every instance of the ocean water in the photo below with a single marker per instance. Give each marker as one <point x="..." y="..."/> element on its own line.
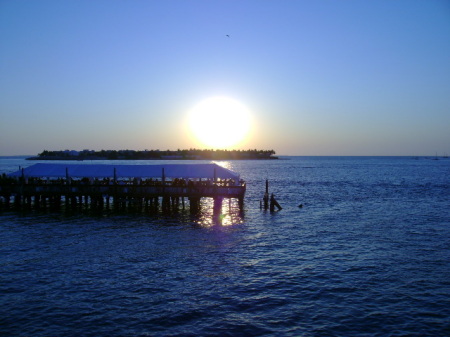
<point x="368" y="254"/>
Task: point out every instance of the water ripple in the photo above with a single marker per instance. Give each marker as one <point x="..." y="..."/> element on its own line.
<point x="367" y="255"/>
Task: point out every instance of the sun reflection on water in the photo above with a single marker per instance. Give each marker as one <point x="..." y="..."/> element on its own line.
<point x="229" y="215"/>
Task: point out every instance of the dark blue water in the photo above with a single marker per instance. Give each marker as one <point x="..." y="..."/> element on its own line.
<point x="367" y="255"/>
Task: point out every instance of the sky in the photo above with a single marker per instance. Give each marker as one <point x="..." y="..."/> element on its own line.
<point x="318" y="77"/>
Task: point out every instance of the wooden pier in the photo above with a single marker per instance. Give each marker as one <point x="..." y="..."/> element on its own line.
<point x="105" y="186"/>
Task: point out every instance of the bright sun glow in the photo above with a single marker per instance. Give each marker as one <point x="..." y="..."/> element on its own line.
<point x="219" y="122"/>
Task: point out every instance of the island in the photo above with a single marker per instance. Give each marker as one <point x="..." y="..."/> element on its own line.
<point x="191" y="154"/>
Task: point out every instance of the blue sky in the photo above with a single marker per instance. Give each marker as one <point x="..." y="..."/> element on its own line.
<point x="319" y="77"/>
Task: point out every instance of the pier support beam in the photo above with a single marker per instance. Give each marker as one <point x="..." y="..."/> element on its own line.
<point x="217" y="205"/>
<point x="241" y="204"/>
<point x="194" y="205"/>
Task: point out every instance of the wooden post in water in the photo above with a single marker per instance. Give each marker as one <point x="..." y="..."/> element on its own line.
<point x="274" y="203"/>
<point x="266" y="196"/>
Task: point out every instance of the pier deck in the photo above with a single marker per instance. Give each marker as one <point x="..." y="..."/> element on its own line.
<point x="27" y="189"/>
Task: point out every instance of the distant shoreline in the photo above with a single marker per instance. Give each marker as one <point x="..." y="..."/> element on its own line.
<point x="192" y="154"/>
<point x="82" y="159"/>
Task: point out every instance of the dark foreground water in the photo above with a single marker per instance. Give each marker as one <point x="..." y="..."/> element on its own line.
<point x="367" y="255"/>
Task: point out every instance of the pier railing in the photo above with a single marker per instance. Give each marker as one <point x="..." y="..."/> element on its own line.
<point x="125" y="190"/>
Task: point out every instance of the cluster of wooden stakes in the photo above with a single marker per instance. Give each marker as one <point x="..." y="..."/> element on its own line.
<point x="265" y="201"/>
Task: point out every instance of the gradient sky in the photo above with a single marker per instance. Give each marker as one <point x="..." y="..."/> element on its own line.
<point x="319" y="77"/>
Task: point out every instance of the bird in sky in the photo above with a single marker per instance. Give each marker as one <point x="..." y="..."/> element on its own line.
<point x="227" y="35"/>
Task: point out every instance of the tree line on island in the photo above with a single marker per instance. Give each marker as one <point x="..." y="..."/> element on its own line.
<point x="191" y="154"/>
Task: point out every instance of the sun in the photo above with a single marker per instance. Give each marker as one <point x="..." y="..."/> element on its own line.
<point x="219" y="122"/>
